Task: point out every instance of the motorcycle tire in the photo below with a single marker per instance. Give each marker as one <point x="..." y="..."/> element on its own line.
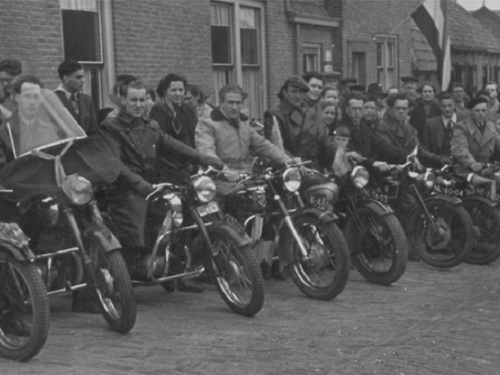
<point x="234" y="270"/>
<point x="324" y="274"/>
<point x="450" y="243"/>
<point x="24" y="309"/>
<point x="486" y="222"/>
<point x="114" y="290"/>
<point x="381" y="255"/>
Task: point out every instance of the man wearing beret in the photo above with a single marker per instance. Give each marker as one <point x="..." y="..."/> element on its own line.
<point x="301" y="133"/>
<point x="475" y="139"/>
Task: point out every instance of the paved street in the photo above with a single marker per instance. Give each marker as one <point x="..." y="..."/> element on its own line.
<point x="430" y="322"/>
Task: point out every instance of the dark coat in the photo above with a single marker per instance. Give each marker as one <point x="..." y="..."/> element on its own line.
<point x="405" y="137"/>
<point x="436" y="138"/>
<point x="137" y="143"/>
<point x="370" y="145"/>
<point x="302" y="133"/>
<point x="86" y="116"/>
<point x="418" y="117"/>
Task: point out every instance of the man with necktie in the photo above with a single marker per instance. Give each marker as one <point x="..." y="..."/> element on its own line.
<point x="76" y="102"/>
<point x="438" y="130"/>
<point x="475" y="139"/>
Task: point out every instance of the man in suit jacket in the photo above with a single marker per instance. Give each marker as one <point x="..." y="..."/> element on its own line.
<point x="438" y="131"/>
<point x="475" y="139"/>
<point x="76" y="102"/>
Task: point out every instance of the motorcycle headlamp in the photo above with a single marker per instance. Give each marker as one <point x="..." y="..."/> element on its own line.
<point x="429" y="179"/>
<point x="292" y="179"/>
<point x="360" y="177"/>
<point x="205" y="189"/>
<point x="77" y="189"/>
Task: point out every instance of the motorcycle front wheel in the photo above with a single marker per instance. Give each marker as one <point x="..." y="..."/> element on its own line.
<point x="378" y="245"/>
<point x="486" y="223"/>
<point x="447" y="244"/>
<point x="234" y="270"/>
<point x="113" y="288"/>
<point x="323" y="274"/>
<point x="24" y="309"/>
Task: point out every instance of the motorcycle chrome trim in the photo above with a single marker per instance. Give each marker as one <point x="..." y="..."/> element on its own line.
<point x="186" y="275"/>
<point x="55" y="253"/>
<point x="295" y="234"/>
<point x="69" y="288"/>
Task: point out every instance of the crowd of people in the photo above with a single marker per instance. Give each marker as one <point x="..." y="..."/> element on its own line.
<point x="158" y="135"/>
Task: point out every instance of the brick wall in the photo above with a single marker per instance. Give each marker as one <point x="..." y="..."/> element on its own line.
<point x="280" y="48"/>
<point x="156" y="37"/>
<point x="31" y="31"/>
<point x="358" y="27"/>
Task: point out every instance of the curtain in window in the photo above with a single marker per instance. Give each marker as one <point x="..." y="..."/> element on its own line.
<point x="85" y="5"/>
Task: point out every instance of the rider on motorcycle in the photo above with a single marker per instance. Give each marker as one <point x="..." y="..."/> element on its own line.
<point x="137" y="142"/>
<point x="227" y="134"/>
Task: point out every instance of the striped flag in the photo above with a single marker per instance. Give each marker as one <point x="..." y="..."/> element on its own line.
<point x="432" y="19"/>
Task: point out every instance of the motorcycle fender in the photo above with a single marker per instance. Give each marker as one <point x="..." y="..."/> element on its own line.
<point x="316" y="212"/>
<point x="376" y="206"/>
<point x="451" y="199"/>
<point x="480" y="198"/>
<point x="19" y="253"/>
<point x="241" y="239"/>
<point x="106" y="238"/>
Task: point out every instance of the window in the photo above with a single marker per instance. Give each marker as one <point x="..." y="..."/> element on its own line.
<point x="83" y="41"/>
<point x="359" y="67"/>
<point x="310" y="57"/>
<point x="237" y="50"/>
<point x="386" y="50"/>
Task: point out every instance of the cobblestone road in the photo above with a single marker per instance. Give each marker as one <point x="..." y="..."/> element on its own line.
<point x="430" y="322"/>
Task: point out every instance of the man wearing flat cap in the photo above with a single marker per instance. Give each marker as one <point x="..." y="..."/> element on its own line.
<point x="297" y="128"/>
<point x="475" y="138"/>
<point x="347" y="83"/>
<point x="410" y="83"/>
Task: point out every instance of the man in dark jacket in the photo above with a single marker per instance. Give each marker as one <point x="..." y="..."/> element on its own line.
<point x="301" y="131"/>
<point x="76" y="102"/>
<point x="363" y="139"/>
<point x="137" y="142"/>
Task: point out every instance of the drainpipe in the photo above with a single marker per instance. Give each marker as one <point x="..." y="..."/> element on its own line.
<point x="108" y="72"/>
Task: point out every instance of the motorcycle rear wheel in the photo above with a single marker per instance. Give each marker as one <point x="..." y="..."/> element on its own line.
<point x="235" y="272"/>
<point x="381" y="255"/>
<point x="24" y="309"/>
<point x="486" y="222"/>
<point x="324" y="274"/>
<point x="114" y="289"/>
<point x="450" y="243"/>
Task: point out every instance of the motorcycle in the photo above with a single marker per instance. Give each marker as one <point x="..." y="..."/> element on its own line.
<point x="377" y="243"/>
<point x="437" y="226"/>
<point x="191" y="211"/>
<point x="480" y="199"/>
<point x="306" y="240"/>
<point x="72" y="249"/>
<point x="24" y="304"/>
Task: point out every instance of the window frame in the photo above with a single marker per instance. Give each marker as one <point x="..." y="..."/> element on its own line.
<point x="387" y="73"/>
<point x="311" y="47"/>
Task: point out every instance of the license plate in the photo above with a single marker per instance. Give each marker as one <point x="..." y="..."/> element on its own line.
<point x="208" y="208"/>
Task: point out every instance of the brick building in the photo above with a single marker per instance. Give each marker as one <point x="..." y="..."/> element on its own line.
<point x="257" y="43"/>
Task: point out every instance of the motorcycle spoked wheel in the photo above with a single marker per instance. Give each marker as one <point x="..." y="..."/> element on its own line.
<point x="382" y="255"/>
<point x="324" y="274"/>
<point x="235" y="272"/>
<point x="450" y="243"/>
<point x="24" y="310"/>
<point x="113" y="288"/>
<point x="486" y="222"/>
